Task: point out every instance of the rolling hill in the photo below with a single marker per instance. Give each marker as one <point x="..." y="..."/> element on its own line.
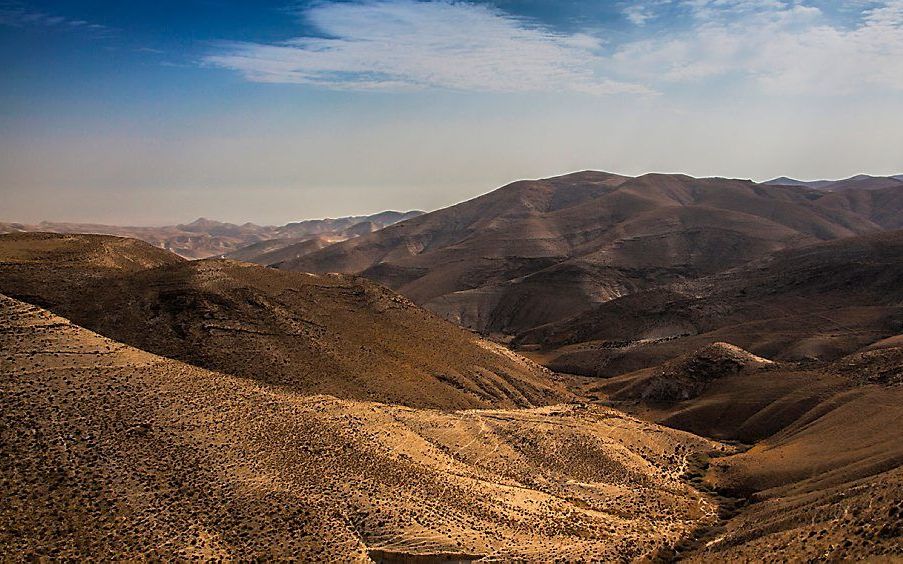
<point x="536" y="252"/>
<point x="749" y="339"/>
<point x="115" y="453"/>
<point x="109" y="450"/>
<point x="817" y="302"/>
<point x="823" y="472"/>
<point x="882" y="206"/>
<point x="313" y="334"/>
<point x="278" y="250"/>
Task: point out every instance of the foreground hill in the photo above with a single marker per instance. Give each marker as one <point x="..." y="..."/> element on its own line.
<point x="111" y="453"/>
<point x="44" y="268"/>
<point x="313" y="334"/>
<point x="824" y="477"/>
<point x="818" y="302"/>
<point x="205" y="238"/>
<point x="535" y="252"/>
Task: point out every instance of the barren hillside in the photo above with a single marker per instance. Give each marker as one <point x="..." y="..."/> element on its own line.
<point x="536" y="252"/>
<point x="824" y="473"/>
<point x="816" y="302"/>
<point x="310" y="333"/>
<point x="110" y="452"/>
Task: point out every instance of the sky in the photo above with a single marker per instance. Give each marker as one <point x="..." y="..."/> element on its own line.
<point x="158" y="112"/>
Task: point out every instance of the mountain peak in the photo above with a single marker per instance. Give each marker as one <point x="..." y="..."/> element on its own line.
<point x="785" y="181"/>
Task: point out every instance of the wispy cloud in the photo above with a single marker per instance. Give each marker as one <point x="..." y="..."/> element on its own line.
<point x="781" y="46"/>
<point x="775" y="46"/>
<point x="16" y="14"/>
<point x="407" y="45"/>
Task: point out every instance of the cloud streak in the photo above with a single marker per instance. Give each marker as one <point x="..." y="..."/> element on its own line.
<point x="17" y="15"/>
<point x="410" y="45"/>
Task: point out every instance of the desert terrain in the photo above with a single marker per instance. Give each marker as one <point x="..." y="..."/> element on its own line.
<point x="537" y="252"/>
<point x="205" y="238"/>
<point x="333" y="334"/>
<point x="451" y="281"/>
<point x="583" y="368"/>
<point x="812" y="303"/>
<point x="112" y="452"/>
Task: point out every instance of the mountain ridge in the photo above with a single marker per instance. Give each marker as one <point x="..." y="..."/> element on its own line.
<point x="859" y="181"/>
<point x="203" y="238"/>
<point x="776" y="306"/>
<point x="589" y="236"/>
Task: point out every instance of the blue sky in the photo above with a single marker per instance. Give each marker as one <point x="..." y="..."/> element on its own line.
<point x="156" y="112"/>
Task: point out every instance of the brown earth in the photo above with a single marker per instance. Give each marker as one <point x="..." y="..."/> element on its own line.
<point x="786" y="449"/>
<point x="814" y="303"/>
<point x="109" y="452"/>
<point x="824" y="475"/>
<point x="536" y="252"/>
<point x="310" y="333"/>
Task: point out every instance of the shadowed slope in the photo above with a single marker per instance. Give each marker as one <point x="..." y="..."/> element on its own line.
<point x="685" y="377"/>
<point x="829" y="483"/>
<point x="882" y="206"/>
<point x="315" y="334"/>
<point x="110" y="452"/>
<point x="44" y="268"/>
<point x="815" y="302"/>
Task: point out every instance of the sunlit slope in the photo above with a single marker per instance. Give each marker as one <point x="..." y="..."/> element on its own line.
<point x="111" y="452"/>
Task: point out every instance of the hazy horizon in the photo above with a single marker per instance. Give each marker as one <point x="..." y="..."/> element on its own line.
<point x="159" y="113"/>
<point x="241" y="220"/>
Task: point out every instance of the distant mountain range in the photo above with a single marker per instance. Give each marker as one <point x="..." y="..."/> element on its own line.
<point x="858" y="182"/>
<point x="206" y="238"/>
<point x="541" y="251"/>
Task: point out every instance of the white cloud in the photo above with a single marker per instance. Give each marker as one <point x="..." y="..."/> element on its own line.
<point x="406" y="44"/>
<point x="777" y="46"/>
<point x="638" y="14"/>
<point x="781" y="46"/>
